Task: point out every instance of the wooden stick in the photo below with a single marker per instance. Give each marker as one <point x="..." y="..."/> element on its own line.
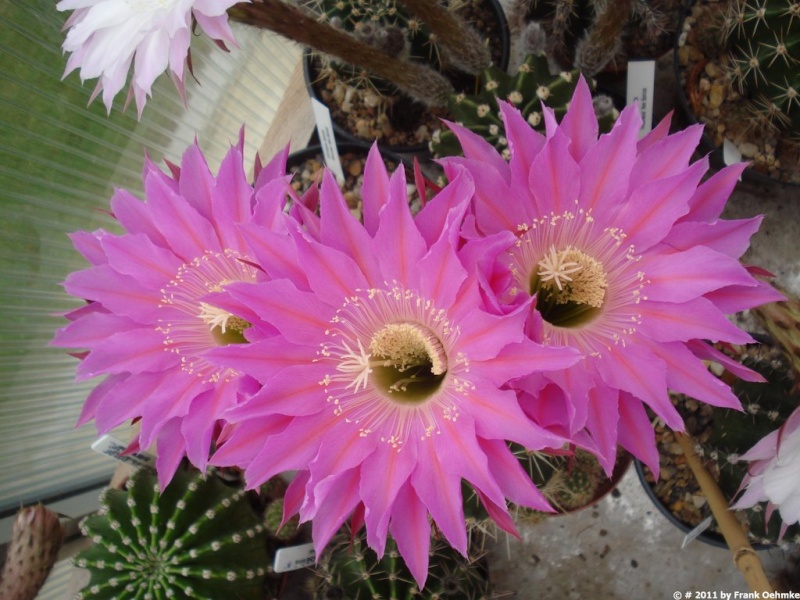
<point x="744" y="557"/>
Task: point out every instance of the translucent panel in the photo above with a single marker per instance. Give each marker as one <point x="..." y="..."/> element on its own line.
<point x="59" y="163"/>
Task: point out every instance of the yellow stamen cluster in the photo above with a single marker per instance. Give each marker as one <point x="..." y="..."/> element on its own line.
<point x="406" y="345"/>
<point x="570" y="275"/>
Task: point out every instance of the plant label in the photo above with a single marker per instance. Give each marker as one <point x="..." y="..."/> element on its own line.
<point x="701" y="527"/>
<point x="292" y="558"/>
<point x="111" y="446"/>
<point x="641" y="81"/>
<point x="327" y="139"/>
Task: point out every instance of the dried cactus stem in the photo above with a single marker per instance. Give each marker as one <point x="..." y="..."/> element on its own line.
<point x="421" y="83"/>
<point x="463" y="46"/>
<point x="36" y="538"/>
<point x="782" y="322"/>
<point x="603" y="42"/>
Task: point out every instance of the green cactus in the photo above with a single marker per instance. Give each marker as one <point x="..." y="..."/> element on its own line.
<point x="351" y="571"/>
<point x="764" y="55"/>
<point x="199" y="539"/>
<point x="527" y="90"/>
<point x="36" y="538"/>
<point x="725" y="434"/>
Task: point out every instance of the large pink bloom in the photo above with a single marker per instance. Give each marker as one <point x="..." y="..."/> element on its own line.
<point x="384" y="383"/>
<point x="774" y="472"/>
<point x="106" y="36"/>
<point x="628" y="260"/>
<point x="151" y="314"/>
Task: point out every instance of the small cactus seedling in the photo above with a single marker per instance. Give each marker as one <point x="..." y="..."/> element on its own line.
<point x="36" y="537"/>
<point x="199" y="538"/>
<point x="764" y="60"/>
<point x="351" y="571"/>
<point x="531" y="87"/>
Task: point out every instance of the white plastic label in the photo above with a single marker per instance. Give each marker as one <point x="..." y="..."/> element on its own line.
<point x="327" y="139"/>
<point x="111" y="446"/>
<point x="730" y="153"/>
<point x="293" y="558"/>
<point x="704" y="524"/>
<point x="641" y="81"/>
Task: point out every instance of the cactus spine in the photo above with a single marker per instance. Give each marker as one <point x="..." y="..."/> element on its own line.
<point x="199" y="538"/>
<point x="352" y="571"/>
<point x="36" y="538"/>
<point x="764" y="42"/>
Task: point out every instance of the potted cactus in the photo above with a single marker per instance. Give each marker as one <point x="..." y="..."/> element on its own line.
<point x="599" y="37"/>
<point x="351" y="571"/>
<point x="198" y="538"/>
<point x="527" y="90"/>
<point x="737" y="66"/>
<point x="724" y="435"/>
<point x="365" y="106"/>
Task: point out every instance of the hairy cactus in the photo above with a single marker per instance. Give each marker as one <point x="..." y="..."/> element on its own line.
<point x="590" y="34"/>
<point x="351" y="571"/>
<point x="36" y="537"/>
<point x="199" y="538"/>
<point x="764" y="47"/>
<point x="527" y="90"/>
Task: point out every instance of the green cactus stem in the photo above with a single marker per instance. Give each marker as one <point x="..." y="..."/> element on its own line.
<point x="36" y="538"/>
<point x="199" y="538"/>
<point x="764" y="61"/>
<point x="527" y="90"/>
<point x="351" y="571"/>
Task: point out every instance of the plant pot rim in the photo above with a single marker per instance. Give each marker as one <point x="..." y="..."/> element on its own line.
<point x="715" y="152"/>
<point x="422" y="147"/>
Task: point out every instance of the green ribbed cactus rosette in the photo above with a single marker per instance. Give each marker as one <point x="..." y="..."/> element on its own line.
<point x="199" y="538"/>
<point x="349" y="570"/>
<point x="527" y="90"/>
<point x="764" y="59"/>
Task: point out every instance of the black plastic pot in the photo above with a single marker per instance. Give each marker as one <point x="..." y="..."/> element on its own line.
<point x="422" y="148"/>
<point x="707" y="143"/>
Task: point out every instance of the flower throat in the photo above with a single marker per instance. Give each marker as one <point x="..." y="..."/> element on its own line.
<point x="570" y="287"/>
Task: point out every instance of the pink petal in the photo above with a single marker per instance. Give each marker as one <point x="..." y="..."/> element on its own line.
<point x="91" y="330"/>
<point x="523" y="141"/>
<point x="655" y="135"/>
<point x="232" y="197"/>
<point x="651" y="210"/>
<point x="444" y="212"/>
<point x="484" y="335"/>
<point x="90" y="245"/>
<point x="440" y="491"/>
<point x="705" y="351"/>
<point x="197" y="182"/>
<point x="342" y="498"/>
<point x="606" y="166"/>
<point x="171" y="399"/>
<point x="198" y="425"/>
<point x="711" y="197"/>
<point x="580" y="122"/>
<point x="476" y="148"/>
<point x="118" y="293"/>
<point x="525" y="357"/>
<point x="133" y="351"/>
<point x="340" y="449"/>
<point x="736" y="298"/>
<point x="375" y="189"/>
<point x="262" y="359"/>
<point x="513" y="480"/>
<point x="382" y="476"/>
<point x="135" y="255"/>
<point x="667" y="157"/>
<point x="246" y="440"/>
<point x="412" y="532"/>
<point x="698" y="318"/>
<point x="169" y="452"/>
<point x="97" y="395"/>
<point x="441" y="273"/>
<point x="728" y="237"/>
<point x="274" y="169"/>
<point x="601" y="422"/>
<point x="126" y="401"/>
<point x="687" y="274"/>
<point x="332" y="275"/>
<point x="135" y="216"/>
<point x="635" y="432"/>
<point x="294" y="391"/>
<point x="554" y="176"/>
<point x="274" y="253"/>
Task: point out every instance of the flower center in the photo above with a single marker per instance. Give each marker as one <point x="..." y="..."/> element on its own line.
<point x="410" y="361"/>
<point x="190" y="324"/>
<point x="570" y="287"/>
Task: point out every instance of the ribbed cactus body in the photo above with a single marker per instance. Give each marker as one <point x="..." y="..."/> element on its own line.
<point x="527" y="90"/>
<point x="764" y="42"/>
<point x="198" y="539"/>
<point x="36" y="537"/>
<point x="351" y="571"/>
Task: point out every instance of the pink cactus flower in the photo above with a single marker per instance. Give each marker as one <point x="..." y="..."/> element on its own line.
<point x="385" y="383"/>
<point x="629" y="262"/>
<point x="774" y="472"/>
<point x="106" y="37"/>
<point x="151" y="314"/>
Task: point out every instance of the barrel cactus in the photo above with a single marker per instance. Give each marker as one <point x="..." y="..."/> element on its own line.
<point x="532" y="86"/>
<point x="764" y="51"/>
<point x="351" y="571"/>
<point x="199" y="538"/>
